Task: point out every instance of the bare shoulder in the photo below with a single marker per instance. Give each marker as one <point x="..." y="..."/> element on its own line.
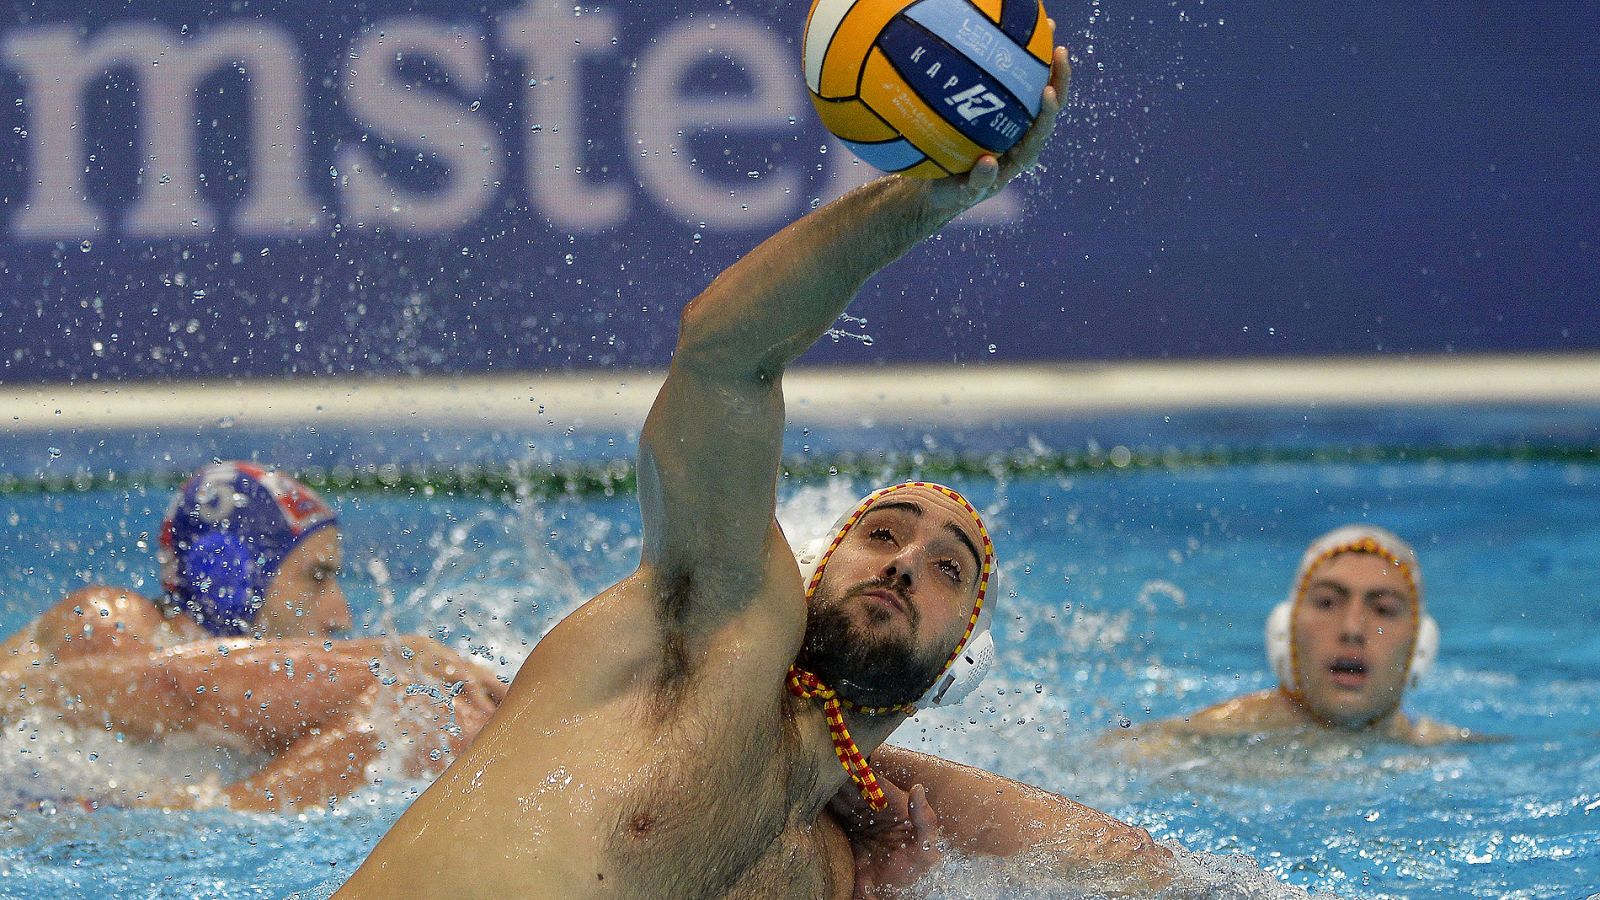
<point x="609" y="645"/>
<point x="92" y="620"/>
<point x="628" y="637"/>
<point x="1426" y="732"/>
<point x="1239" y="715"/>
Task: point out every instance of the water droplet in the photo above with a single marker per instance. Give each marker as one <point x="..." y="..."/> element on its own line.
<point x="86" y="246"/>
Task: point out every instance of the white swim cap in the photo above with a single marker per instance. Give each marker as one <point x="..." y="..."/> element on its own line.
<point x="974" y="653"/>
<point x="1347" y="539"/>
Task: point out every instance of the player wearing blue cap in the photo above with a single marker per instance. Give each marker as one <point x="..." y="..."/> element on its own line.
<point x="226" y="539"/>
<point x="249" y="563"/>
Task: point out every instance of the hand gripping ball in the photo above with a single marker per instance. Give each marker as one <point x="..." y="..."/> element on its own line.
<point x="925" y="87"/>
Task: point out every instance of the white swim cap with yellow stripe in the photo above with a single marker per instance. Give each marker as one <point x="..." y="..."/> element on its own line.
<point x="974" y="653"/>
<point x="1352" y="539"/>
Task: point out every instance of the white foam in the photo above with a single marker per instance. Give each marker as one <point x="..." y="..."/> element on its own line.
<point x="1196" y="876"/>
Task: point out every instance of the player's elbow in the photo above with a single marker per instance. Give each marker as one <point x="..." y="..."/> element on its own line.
<point x="711" y="345"/>
<point x="700" y="345"/>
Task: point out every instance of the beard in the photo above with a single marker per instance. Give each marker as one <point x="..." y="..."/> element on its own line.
<point x="866" y="668"/>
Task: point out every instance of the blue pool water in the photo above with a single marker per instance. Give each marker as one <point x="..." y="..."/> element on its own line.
<point x="1137" y="594"/>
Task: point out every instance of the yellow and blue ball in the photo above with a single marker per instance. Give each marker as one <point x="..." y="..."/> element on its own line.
<point x="925" y="87"/>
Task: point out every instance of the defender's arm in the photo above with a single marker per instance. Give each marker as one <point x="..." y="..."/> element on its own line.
<point x="267" y="694"/>
<point x="982" y="813"/>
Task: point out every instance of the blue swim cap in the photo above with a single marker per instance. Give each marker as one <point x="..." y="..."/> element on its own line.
<point x="226" y="534"/>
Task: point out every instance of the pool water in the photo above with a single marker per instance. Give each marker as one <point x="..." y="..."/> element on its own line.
<point x="1130" y="595"/>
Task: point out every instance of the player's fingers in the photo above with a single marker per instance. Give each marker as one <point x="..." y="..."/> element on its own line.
<point x="923" y="817"/>
<point x="981" y="180"/>
<point x="1026" y="153"/>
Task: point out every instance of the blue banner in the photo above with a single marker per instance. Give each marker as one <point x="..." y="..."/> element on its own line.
<point x="268" y="188"/>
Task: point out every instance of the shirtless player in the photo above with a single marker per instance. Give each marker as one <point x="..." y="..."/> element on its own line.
<point x="672" y="737"/>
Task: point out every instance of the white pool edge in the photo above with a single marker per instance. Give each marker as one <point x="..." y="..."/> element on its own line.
<point x="817" y="395"/>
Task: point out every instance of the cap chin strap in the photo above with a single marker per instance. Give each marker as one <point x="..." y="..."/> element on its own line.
<point x="962" y="672"/>
<point x="807" y="686"/>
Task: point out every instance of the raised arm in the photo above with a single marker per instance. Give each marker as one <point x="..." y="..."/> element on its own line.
<point x="710" y="449"/>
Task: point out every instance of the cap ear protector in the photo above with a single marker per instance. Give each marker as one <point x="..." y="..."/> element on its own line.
<point x="971" y="665"/>
<point x="1280" y="628"/>
<point x="973" y="657"/>
<point x="1352" y="539"/>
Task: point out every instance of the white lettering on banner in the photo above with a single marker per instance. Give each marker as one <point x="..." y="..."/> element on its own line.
<point x="419" y="120"/>
<point x="664" y="124"/>
<point x="58" y="67"/>
<point x="552" y="42"/>
<point x="661" y="115"/>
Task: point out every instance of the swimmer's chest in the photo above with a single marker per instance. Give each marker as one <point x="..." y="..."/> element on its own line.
<point x="724" y="812"/>
<point x="802" y="860"/>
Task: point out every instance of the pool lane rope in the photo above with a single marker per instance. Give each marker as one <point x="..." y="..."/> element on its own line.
<point x="614" y="477"/>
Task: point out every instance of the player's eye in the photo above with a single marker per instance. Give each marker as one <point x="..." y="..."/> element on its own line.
<point x="881" y="534"/>
<point x="951" y="568"/>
